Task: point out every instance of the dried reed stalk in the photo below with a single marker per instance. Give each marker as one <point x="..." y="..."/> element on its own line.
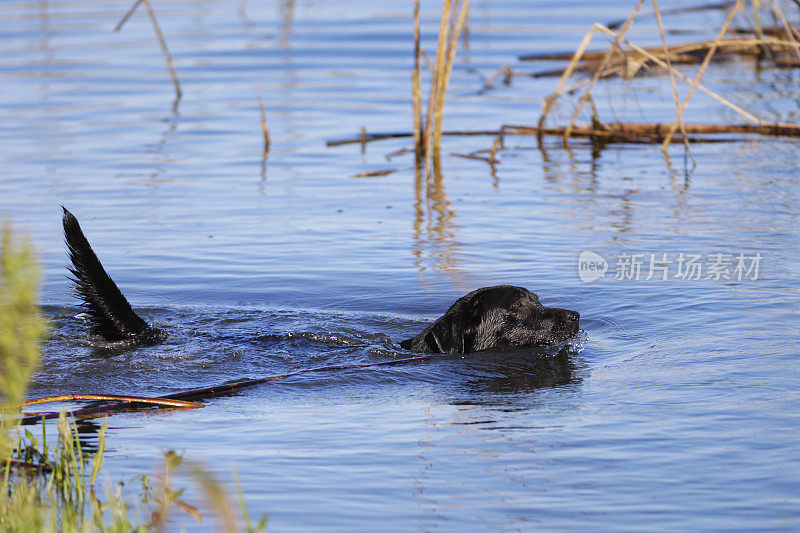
<point x="672" y="82"/>
<point x="451" y="24"/>
<point x="700" y="73"/>
<point x="649" y="55"/>
<point x="416" y="90"/>
<point x="618" y="61"/>
<point x="110" y="397"/>
<point x="453" y="35"/>
<point x="791" y="31"/>
<point x="264" y="129"/>
<point x="606" y="59"/>
<point x="161" y="41"/>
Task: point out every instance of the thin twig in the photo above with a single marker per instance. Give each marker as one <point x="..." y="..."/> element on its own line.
<point x="603" y="64"/>
<point x="790" y="30"/>
<point x="672" y="82"/>
<point x="163" y="43"/>
<point x="264" y="129"/>
<point x="112" y="397"/>
<point x="678" y="73"/>
<point x="700" y="73"/>
<point x="128" y="15"/>
<point x="225" y="388"/>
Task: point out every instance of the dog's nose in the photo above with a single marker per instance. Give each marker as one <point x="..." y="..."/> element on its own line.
<point x="572" y="316"/>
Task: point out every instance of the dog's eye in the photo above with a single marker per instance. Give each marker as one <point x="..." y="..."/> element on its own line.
<point x="516" y="305"/>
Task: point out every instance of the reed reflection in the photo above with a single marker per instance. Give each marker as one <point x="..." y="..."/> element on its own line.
<point x="435" y="246"/>
<point x="600" y="200"/>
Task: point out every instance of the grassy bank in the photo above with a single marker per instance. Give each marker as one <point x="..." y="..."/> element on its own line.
<point x="57" y="488"/>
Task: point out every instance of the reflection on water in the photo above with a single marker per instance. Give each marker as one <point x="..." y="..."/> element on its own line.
<point x="435" y="246"/>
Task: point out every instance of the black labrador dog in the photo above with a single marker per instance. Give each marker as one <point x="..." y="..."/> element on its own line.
<point x="492" y="317"/>
<point x="495" y="317"/>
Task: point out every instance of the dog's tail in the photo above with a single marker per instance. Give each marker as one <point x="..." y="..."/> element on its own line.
<point x="109" y="312"/>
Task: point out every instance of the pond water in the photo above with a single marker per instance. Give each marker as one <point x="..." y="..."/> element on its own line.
<point x="682" y="409"/>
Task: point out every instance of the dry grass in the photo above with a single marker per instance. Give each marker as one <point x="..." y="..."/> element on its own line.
<point x="626" y="62"/>
<point x="428" y="132"/>
<point x="779" y="43"/>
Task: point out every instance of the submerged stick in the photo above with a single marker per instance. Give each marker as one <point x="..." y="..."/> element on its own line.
<point x="215" y="390"/>
<point x="111" y="397"/>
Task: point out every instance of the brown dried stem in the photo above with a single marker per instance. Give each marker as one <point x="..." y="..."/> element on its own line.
<point x="672" y="82"/>
<point x="606" y="59"/>
<point x="113" y="397"/>
<point x="161" y="41"/>
<point x="791" y="31"/>
<point x="451" y="24"/>
<point x="264" y="129"/>
<point x="700" y="73"/>
<point x="416" y="90"/>
<point x="621" y="132"/>
<point x="208" y="392"/>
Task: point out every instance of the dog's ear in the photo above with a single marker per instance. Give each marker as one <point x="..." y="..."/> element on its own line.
<point x="454" y="332"/>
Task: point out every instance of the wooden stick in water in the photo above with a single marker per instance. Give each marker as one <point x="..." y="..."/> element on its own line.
<point x="203" y="392"/>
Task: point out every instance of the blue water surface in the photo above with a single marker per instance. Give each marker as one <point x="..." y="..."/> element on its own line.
<point x="681" y="412"/>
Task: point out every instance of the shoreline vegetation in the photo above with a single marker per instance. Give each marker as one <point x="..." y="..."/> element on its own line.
<point x="53" y="486"/>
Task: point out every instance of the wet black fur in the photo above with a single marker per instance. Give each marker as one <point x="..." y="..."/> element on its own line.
<point x="110" y="315"/>
<point x="495" y="317"/>
<point x="492" y="317"/>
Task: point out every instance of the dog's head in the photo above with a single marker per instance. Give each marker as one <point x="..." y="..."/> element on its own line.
<point x="496" y="317"/>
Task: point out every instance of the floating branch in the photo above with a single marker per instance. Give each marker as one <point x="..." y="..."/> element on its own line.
<point x="109" y="397"/>
<point x="375" y="173"/>
<point x="619" y="132"/>
<point x="204" y="392"/>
